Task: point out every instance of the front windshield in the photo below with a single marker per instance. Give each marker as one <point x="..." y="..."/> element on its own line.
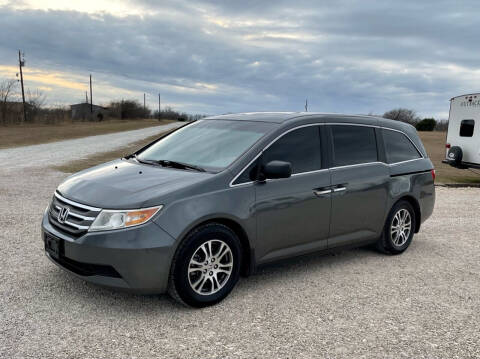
<point x="209" y="144"/>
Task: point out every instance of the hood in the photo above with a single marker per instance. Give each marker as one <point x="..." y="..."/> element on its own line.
<point x="125" y="184"/>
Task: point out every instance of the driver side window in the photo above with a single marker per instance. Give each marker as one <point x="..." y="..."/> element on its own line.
<point x="300" y="147"/>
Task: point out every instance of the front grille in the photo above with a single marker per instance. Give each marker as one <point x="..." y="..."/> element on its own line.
<point x="78" y="219"/>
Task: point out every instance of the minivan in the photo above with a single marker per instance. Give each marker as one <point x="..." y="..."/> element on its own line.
<point x="194" y="210"/>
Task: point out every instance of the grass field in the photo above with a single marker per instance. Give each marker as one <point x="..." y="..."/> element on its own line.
<point x="32" y="134"/>
<point x="435" y="145"/>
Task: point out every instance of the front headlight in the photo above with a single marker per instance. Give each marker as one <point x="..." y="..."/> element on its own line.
<point x="115" y="219"/>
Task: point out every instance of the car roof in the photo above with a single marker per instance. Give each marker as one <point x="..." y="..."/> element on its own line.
<point x="292" y="118"/>
<point x="276" y="117"/>
<point x="281" y="117"/>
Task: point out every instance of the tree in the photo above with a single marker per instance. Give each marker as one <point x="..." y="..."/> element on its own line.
<point x="442" y="125"/>
<point x="35" y="101"/>
<point x="7" y="90"/>
<point x="403" y="115"/>
<point x="427" y="124"/>
<point x="128" y="109"/>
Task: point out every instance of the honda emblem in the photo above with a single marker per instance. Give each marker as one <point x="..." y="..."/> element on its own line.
<point x="63" y="214"/>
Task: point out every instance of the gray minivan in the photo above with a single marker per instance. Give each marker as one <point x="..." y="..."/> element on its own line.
<point x="197" y="208"/>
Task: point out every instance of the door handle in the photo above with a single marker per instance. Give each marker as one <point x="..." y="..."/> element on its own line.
<point x="322" y="192"/>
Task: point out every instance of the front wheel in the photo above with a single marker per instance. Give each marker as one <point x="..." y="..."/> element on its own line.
<point x="399" y="229"/>
<point x="206" y="266"/>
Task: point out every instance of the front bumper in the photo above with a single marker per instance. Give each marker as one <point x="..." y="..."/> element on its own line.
<point x="136" y="259"/>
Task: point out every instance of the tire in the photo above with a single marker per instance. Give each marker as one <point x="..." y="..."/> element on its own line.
<point x="392" y="240"/>
<point x="455" y="155"/>
<point x="212" y="252"/>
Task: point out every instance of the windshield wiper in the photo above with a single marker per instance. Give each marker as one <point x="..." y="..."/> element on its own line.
<point x="168" y="163"/>
<point x="147" y="162"/>
<point x="181" y="165"/>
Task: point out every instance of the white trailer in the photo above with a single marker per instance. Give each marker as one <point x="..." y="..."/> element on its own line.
<point x="463" y="136"/>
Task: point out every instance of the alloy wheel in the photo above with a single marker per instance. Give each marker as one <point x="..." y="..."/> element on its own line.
<point x="210" y="267"/>
<point x="401" y="227"/>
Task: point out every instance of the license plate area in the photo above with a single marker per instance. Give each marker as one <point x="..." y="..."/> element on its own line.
<point x="53" y="246"/>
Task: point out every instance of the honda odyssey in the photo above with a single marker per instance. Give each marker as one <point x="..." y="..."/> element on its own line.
<point x="192" y="211"/>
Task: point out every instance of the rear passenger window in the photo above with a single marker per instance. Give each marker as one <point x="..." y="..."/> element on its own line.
<point x="466" y="128"/>
<point x="353" y="145"/>
<point x="300" y="147"/>
<point x="398" y="147"/>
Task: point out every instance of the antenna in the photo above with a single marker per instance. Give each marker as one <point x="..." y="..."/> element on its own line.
<point x="306" y="105"/>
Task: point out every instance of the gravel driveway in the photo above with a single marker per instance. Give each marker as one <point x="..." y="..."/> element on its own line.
<point x="356" y="303"/>
<point x="64" y="151"/>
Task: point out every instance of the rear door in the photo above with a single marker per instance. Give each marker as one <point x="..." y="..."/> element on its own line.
<point x="293" y="214"/>
<point x="359" y="184"/>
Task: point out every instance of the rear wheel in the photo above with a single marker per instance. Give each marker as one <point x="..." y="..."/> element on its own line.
<point x="206" y="266"/>
<point x="399" y="229"/>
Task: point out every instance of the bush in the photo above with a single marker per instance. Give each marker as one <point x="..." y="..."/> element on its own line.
<point x="427" y="124"/>
<point x="169" y="114"/>
<point x="127" y="109"/>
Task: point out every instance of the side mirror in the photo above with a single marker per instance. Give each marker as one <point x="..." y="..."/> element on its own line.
<point x="277" y="169"/>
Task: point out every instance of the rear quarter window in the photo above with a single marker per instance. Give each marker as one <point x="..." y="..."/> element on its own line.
<point x="398" y="147"/>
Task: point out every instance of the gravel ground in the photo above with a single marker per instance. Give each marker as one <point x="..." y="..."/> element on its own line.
<point x="354" y="304"/>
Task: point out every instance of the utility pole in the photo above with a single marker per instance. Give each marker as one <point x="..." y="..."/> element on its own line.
<point x="91" y="98"/>
<point x="86" y="97"/>
<point x="159" y="107"/>
<point x="144" y="107"/>
<point x="21" y="63"/>
<point x="306" y="105"/>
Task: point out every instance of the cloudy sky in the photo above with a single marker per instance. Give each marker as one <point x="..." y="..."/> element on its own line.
<point x="248" y="55"/>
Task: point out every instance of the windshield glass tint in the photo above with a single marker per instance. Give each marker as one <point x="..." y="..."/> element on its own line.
<point x="210" y="144"/>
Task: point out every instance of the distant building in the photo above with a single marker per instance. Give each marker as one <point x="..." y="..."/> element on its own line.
<point x="82" y="111"/>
